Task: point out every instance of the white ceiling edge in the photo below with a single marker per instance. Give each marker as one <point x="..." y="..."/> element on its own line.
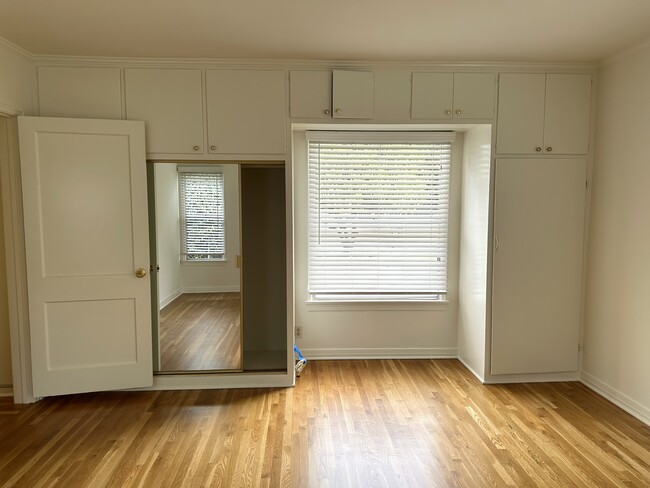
<point x="623" y="53"/>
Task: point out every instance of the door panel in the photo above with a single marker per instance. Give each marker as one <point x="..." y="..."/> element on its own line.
<point x="432" y="95"/>
<point x="473" y="95"/>
<point x="539" y="226"/>
<point x="86" y="231"/>
<point x="568" y="104"/>
<point x="520" y="126"/>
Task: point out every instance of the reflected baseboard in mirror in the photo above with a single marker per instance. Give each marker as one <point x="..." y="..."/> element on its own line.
<point x="201" y="332"/>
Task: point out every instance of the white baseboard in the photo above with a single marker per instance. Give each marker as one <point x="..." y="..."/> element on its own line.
<point x="381" y="353"/>
<point x="6" y="391"/>
<point x="502" y="379"/>
<point x="209" y="289"/>
<point x="166" y="301"/>
<point x="617" y="397"/>
<point x="471" y="370"/>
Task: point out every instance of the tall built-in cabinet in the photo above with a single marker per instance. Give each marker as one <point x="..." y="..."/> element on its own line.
<point x="538" y="222"/>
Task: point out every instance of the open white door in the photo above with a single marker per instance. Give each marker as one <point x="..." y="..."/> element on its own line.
<point x="86" y="235"/>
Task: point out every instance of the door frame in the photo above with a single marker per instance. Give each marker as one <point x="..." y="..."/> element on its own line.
<point x="18" y="304"/>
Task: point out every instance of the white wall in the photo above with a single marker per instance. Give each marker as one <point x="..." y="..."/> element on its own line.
<point x="167" y="232"/>
<point x="367" y="330"/>
<point x="472" y="286"/>
<point x="616" y="357"/>
<point x="219" y="276"/>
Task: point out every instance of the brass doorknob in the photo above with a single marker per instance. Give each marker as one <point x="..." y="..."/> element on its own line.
<point x="140" y="273"/>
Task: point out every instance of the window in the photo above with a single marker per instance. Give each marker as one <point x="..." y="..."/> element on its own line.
<point x="202" y="213"/>
<point x="378" y="215"/>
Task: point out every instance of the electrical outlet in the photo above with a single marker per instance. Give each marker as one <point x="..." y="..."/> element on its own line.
<point x="299" y="331"/>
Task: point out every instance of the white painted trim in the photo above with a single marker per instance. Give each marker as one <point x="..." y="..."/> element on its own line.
<point x="170" y="298"/>
<point x="617" y="397"/>
<point x="12" y="207"/>
<point x="471" y="370"/>
<point x="491" y="379"/>
<point x="220" y="381"/>
<point x="107" y="61"/>
<point x="12" y="48"/>
<point x="381" y="353"/>
<point x="209" y="289"/>
<point x="9" y="111"/>
<point x="6" y="392"/>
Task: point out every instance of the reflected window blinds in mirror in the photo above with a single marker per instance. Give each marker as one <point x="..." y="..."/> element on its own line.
<point x="202" y="213"/>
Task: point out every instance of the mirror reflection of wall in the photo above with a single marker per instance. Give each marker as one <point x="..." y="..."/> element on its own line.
<point x="198" y="242"/>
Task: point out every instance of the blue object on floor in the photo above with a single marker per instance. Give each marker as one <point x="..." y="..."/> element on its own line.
<point x="301" y="363"/>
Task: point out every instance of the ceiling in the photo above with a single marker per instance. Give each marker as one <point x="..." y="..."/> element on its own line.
<point x="373" y="30"/>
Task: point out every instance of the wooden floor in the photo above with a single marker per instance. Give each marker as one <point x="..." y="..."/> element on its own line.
<point x="201" y="331"/>
<point x="347" y="424"/>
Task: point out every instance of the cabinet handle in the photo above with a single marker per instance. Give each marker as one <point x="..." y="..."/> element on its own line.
<point x="213" y="148"/>
<point x="447" y="112"/>
<point x="326" y="111"/>
<point x="538" y="149"/>
<point x="549" y="148"/>
<point x="459" y="111"/>
<point x="338" y="110"/>
<point x="196" y="148"/>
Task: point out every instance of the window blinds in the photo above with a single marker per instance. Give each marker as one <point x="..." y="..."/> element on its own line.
<point x="378" y="215"/>
<point x="202" y="214"/>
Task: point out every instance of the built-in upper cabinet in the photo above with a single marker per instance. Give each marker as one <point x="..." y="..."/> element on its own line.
<point x="246" y="111"/>
<point x="353" y="94"/>
<point x="335" y="94"/>
<point x="92" y="93"/>
<point x="452" y="95"/>
<point x="170" y="101"/>
<point x="543" y="113"/>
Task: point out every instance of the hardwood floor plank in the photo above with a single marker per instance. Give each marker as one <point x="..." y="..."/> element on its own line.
<point x="345" y="424"/>
<point x="201" y="332"/>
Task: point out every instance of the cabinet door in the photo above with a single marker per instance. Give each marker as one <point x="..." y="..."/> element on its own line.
<point x="310" y="94"/>
<point x="246" y="111"/>
<point x="80" y="92"/>
<point x="520" y="123"/>
<point x="473" y="95"/>
<point x="566" y="122"/>
<point x="170" y="102"/>
<point x="537" y="274"/>
<point x="432" y="95"/>
<point x="353" y="94"/>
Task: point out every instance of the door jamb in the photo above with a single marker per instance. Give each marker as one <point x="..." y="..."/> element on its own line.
<point x="14" y="235"/>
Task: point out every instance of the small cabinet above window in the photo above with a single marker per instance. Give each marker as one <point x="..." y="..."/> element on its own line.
<point x="335" y="94"/>
<point x="544" y="113"/>
<point x="452" y="96"/>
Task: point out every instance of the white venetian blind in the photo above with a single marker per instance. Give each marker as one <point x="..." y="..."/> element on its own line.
<point x="202" y="213"/>
<point x="378" y="214"/>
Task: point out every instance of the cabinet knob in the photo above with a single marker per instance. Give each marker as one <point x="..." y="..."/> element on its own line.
<point x="213" y="148"/>
<point x="549" y="148"/>
<point x="196" y="148"/>
<point x="459" y="111"/>
<point x="447" y="112"/>
<point x="538" y="149"/>
<point x="326" y="111"/>
<point x="338" y="110"/>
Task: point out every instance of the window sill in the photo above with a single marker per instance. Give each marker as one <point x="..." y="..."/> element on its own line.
<point x="379" y="306"/>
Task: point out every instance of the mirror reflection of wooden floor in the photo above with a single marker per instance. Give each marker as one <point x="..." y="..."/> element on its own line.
<point x="201" y="331"/>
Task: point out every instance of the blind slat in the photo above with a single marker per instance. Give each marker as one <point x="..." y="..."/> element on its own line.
<point x="202" y="214"/>
<point x="378" y="215"/>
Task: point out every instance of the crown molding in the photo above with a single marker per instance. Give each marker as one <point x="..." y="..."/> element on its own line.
<point x="12" y="48"/>
<point x="125" y="62"/>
